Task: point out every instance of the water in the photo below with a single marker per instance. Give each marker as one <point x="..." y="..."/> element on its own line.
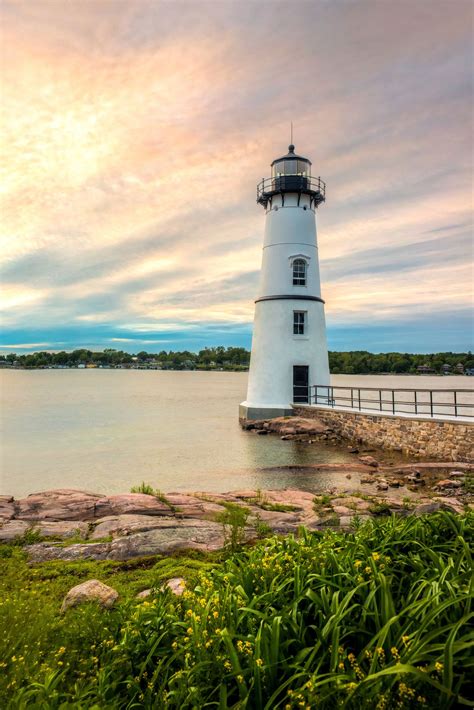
<point x="106" y="430"/>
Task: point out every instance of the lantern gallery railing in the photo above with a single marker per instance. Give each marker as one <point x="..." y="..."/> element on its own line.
<point x="422" y="402"/>
<point x="301" y="184"/>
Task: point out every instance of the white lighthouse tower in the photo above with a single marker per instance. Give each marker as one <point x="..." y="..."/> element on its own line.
<point x="289" y="349"/>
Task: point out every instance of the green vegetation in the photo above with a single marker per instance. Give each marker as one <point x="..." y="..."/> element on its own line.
<point x="378" y="618"/>
<point x="150" y="491"/>
<point x="220" y="358"/>
<point x="234" y="519"/>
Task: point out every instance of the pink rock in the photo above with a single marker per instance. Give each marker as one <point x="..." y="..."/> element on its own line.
<point x="129" y="503"/>
<point x="7" y="507"/>
<point x="447" y="483"/>
<point x="60" y="504"/>
<point x="342" y="510"/>
<point x="13" y="529"/>
<point x="92" y="590"/>
<point x="369" y="461"/>
<point x="177" y="585"/>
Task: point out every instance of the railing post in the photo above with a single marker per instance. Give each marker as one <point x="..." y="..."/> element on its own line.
<point x="380" y="400"/>
<point x="358" y="391"/>
<point x="455" y="404"/>
<point x="416" y="404"/>
<point x="431" y="402"/>
<point x="332" y="396"/>
<point x="352" y="398"/>
<point x="393" y="401"/>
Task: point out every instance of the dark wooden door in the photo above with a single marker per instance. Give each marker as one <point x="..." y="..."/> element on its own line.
<point x="300" y="383"/>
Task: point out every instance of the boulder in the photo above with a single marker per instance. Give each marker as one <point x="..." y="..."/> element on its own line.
<point x="144" y="594"/>
<point x="451" y="504"/>
<point x="7" y="507"/>
<point x="342" y="510"/>
<point x="382" y="486"/>
<point x="448" y="483"/>
<point x="457" y="474"/>
<point x="117" y="525"/>
<point x="171" y="536"/>
<point x="130" y="503"/>
<point x="426" y="508"/>
<point x="12" y="529"/>
<point x="176" y="585"/>
<point x="60" y="504"/>
<point x="92" y="590"/>
<point x="62" y="528"/>
<point x="369" y="461"/>
<point x="297" y="425"/>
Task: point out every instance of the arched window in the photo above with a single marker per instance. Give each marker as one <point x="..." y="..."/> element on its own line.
<point x="299" y="272"/>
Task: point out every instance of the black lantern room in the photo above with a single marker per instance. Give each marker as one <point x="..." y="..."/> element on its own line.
<point x="291" y="173"/>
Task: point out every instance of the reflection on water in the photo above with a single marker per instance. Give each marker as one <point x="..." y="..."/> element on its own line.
<point x="106" y="430"/>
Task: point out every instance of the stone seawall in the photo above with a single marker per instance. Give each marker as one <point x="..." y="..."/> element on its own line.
<point x="440" y="439"/>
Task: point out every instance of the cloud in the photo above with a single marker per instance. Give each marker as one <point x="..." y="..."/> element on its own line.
<point x="134" y="135"/>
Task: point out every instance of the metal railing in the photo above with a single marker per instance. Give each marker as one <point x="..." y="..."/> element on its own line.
<point x="313" y="186"/>
<point x="418" y="402"/>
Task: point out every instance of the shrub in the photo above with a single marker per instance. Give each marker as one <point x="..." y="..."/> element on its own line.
<point x="378" y="618"/>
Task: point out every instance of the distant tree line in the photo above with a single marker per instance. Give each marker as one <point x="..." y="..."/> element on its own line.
<point x="220" y="358"/>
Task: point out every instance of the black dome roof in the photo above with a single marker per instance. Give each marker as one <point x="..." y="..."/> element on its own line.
<point x="291" y="155"/>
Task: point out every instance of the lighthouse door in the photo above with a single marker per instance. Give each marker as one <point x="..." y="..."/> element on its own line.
<point x="300" y="383"/>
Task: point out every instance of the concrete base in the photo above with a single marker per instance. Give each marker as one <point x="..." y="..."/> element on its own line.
<point x="247" y="411"/>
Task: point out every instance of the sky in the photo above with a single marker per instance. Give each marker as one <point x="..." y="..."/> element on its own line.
<point x="134" y="134"/>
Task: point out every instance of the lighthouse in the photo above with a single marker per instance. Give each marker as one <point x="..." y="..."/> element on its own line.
<point x="289" y="348"/>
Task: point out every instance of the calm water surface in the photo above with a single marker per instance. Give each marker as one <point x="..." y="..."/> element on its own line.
<point x="106" y="430"/>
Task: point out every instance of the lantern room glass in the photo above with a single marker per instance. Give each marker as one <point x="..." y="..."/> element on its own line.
<point x="291" y="166"/>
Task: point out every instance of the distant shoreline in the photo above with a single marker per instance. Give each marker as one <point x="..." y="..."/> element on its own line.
<point x="227" y="369"/>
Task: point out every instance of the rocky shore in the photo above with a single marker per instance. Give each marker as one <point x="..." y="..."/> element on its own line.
<point x="68" y="524"/>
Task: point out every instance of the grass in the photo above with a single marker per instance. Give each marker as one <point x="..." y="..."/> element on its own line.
<point x="378" y="618"/>
<point x="261" y="501"/>
<point x="150" y="491"/>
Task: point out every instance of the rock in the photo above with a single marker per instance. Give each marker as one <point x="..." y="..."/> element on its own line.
<point x="415" y="479"/>
<point x="348" y="475"/>
<point x="171" y="536"/>
<point x="426" y="508"/>
<point x="189" y="506"/>
<point x="7" y="507"/>
<point x="451" y="504"/>
<point x="287" y="437"/>
<point x="345" y="521"/>
<point x="13" y="529"/>
<point x="453" y="474"/>
<point x="297" y="425"/>
<point x="447" y="483"/>
<point x="395" y="483"/>
<point x="369" y="461"/>
<point x="382" y="486"/>
<point x="262" y="432"/>
<point x="352" y="450"/>
<point x="342" y="510"/>
<point x="364" y="479"/>
<point x="130" y="503"/>
<point x="117" y="525"/>
<point x="62" y="528"/>
<point x="144" y="594"/>
<point x="92" y="590"/>
<point x="176" y="585"/>
<point x="60" y="504"/>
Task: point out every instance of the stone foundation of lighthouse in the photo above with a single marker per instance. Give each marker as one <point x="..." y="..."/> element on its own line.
<point x="289" y="349"/>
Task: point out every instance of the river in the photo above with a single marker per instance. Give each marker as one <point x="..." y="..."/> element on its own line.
<point x="107" y="430"/>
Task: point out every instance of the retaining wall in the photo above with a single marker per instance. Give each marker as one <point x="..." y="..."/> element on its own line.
<point x="416" y="436"/>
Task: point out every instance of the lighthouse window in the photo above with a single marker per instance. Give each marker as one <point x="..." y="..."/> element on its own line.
<point x="299" y="322"/>
<point x="299" y="272"/>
